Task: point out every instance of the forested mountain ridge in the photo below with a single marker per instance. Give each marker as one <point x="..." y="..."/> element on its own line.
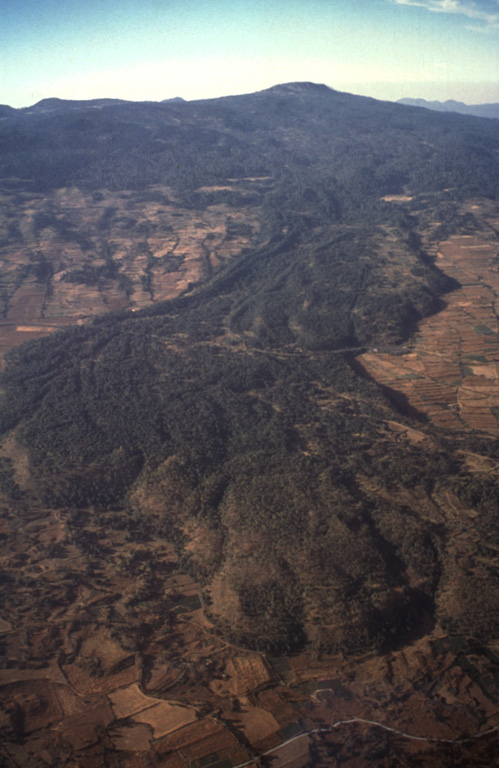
<point x="376" y="146"/>
<point x="236" y="420"/>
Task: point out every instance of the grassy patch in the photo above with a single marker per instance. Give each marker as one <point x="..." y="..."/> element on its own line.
<point x="484" y="330"/>
<point x="476" y="358"/>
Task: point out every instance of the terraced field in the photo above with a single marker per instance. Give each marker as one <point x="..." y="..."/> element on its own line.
<point x="449" y="370"/>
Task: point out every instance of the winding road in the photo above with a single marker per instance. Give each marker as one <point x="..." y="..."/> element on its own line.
<point x="374" y="723"/>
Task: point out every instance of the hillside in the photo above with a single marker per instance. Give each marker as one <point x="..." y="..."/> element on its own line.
<point x="268" y="430"/>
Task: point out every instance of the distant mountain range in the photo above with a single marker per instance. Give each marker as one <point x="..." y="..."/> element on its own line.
<point x="477" y="110"/>
<point x="55" y="104"/>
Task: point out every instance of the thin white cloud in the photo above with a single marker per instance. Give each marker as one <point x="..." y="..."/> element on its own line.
<point x="486" y="12"/>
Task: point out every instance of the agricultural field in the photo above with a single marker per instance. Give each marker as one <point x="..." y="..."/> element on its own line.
<point x="69" y="256"/>
<point x="448" y="371"/>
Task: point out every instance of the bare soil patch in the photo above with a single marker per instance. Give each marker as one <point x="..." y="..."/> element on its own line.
<point x="85" y="683"/>
<point x="165" y="718"/>
<point x="292" y="755"/>
<point x="397" y="198"/>
<point x="206" y="738"/>
<point x="132" y="738"/>
<point x="247" y="673"/>
<point x="257" y="723"/>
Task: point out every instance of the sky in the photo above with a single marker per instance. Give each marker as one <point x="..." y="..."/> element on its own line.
<point x="159" y="49"/>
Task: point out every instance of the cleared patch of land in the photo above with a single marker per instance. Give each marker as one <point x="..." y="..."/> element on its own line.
<point x="248" y="672"/>
<point x="161" y="716"/>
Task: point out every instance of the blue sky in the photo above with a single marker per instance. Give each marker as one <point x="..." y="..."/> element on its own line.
<point x="157" y="49"/>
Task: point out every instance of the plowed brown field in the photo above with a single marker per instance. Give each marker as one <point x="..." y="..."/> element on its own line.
<point x="201" y="741"/>
<point x="248" y="673"/>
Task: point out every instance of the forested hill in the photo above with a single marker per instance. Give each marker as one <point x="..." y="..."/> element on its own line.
<point x="361" y="148"/>
<point x="231" y="419"/>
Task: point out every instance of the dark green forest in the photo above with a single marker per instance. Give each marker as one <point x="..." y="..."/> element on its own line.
<point x="330" y="150"/>
<point x="237" y="407"/>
